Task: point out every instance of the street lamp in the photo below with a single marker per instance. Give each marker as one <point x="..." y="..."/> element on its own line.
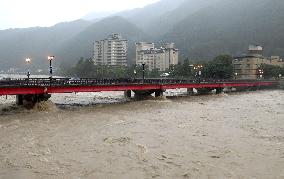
<point x="260" y="72"/>
<point x="236" y="74"/>
<point x="198" y="69"/>
<point x="143" y="68"/>
<point x="50" y="58"/>
<point x="28" y="60"/>
<point x="134" y="72"/>
<point x="191" y="66"/>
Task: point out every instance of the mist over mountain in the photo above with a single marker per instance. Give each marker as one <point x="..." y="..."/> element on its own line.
<point x="35" y="43"/>
<point x="96" y="16"/>
<point x="145" y="17"/>
<point x="200" y="29"/>
<point x="167" y="21"/>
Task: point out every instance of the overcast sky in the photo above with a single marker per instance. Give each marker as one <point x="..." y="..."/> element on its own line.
<point x="29" y="13"/>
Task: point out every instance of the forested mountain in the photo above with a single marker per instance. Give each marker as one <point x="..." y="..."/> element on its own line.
<point x="162" y="23"/>
<point x="201" y="29"/>
<point x="229" y="26"/>
<point x="36" y="43"/>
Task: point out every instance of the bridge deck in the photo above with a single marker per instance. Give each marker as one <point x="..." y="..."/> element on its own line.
<point x="65" y="85"/>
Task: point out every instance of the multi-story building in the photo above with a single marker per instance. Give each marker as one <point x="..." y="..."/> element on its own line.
<point x="156" y="58"/>
<point x="111" y="51"/>
<point x="248" y="66"/>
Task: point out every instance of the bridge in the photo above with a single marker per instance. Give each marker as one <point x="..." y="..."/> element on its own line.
<point x="38" y="89"/>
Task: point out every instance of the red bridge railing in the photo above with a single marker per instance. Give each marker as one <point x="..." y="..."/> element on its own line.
<point x="92" y="81"/>
<point x="69" y="85"/>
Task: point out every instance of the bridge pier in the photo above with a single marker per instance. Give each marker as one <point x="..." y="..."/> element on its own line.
<point x="158" y="93"/>
<point x="31" y="99"/>
<point x="203" y="91"/>
<point x="19" y="100"/>
<point x="142" y="94"/>
<point x="190" y="91"/>
<point x="241" y="88"/>
<point x="127" y="94"/>
<point x="253" y="88"/>
<point x="219" y="90"/>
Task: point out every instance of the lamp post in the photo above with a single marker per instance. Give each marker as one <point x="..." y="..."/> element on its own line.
<point x="50" y="58"/>
<point x="198" y="69"/>
<point x="236" y="75"/>
<point x="143" y="74"/>
<point x="260" y="72"/>
<point x="28" y="60"/>
<point x="191" y="66"/>
<point x="134" y="72"/>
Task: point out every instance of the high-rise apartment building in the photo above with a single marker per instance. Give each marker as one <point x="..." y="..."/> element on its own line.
<point x="111" y="51"/>
<point x="156" y="58"/>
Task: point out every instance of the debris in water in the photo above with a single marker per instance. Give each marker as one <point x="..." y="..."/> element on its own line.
<point x="122" y="140"/>
<point x="214" y="156"/>
<point x="143" y="149"/>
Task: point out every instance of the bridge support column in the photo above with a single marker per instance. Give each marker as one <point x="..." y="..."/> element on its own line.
<point x="190" y="91"/>
<point x="19" y="100"/>
<point x="219" y="90"/>
<point x="158" y="93"/>
<point x="142" y="94"/>
<point x="203" y="91"/>
<point x="127" y="94"/>
<point x="240" y="89"/>
<point x="31" y="99"/>
<point x="254" y="88"/>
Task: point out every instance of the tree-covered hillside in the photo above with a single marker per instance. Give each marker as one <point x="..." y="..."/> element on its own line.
<point x="229" y="26"/>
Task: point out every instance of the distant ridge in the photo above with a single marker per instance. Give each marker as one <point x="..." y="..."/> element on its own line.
<point x="200" y="29"/>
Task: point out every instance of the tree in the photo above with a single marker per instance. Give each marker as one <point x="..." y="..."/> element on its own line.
<point x="220" y="67"/>
<point x="271" y="71"/>
<point x="84" y="68"/>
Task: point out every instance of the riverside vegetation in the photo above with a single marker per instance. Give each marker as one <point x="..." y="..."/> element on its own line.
<point x="220" y="67"/>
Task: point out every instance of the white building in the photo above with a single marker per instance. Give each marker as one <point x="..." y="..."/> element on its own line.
<point x="255" y="49"/>
<point x="156" y="58"/>
<point x="111" y="51"/>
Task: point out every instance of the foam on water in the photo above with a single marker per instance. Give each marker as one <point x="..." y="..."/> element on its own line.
<point x="45" y="106"/>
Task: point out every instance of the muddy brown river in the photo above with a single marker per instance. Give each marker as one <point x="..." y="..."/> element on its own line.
<point x="237" y="135"/>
